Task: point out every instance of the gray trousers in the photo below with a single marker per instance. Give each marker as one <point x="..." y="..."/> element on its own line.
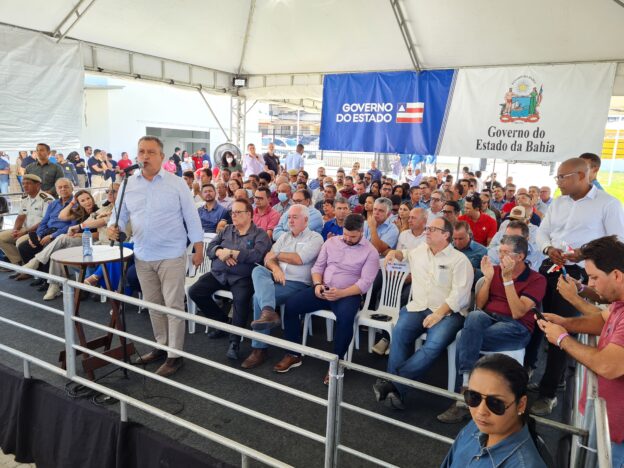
<point x="162" y="282"/>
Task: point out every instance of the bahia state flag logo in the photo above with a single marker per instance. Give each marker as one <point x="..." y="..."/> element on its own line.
<point x="410" y="112"/>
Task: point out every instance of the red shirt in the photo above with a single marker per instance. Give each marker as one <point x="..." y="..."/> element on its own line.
<point x="124" y="163"/>
<point x="483" y="229"/>
<point x="611" y="390"/>
<point x="198" y="162"/>
<point x="266" y="221"/>
<point x="529" y="284"/>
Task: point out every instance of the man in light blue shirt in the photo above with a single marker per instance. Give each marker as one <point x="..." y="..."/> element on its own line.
<point x="315" y="219"/>
<point x="379" y="230"/>
<point x="295" y="160"/>
<point x="163" y="215"/>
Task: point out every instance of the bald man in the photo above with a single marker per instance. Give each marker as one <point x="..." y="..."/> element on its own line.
<point x="581" y="214"/>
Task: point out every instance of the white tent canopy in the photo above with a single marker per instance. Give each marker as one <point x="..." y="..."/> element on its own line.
<point x="285" y="46"/>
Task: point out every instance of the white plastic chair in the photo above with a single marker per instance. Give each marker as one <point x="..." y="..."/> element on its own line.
<point x="393" y="278"/>
<point x="192" y="275"/>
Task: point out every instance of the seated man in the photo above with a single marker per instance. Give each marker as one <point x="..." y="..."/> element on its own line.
<point x="439" y="297"/>
<point x="211" y="212"/>
<point x="516" y="227"/>
<point x="503" y="320"/>
<point x="334" y="227"/>
<point x="286" y="271"/>
<point x="234" y="254"/>
<point x="462" y="241"/>
<point x="32" y="208"/>
<point x="315" y="221"/>
<point x="50" y="228"/>
<point x="415" y="235"/>
<point x="264" y="216"/>
<point x="379" y="230"/>
<point x="604" y="263"/>
<point x="344" y="270"/>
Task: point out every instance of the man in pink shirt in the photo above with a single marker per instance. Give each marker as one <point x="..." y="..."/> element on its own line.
<point x="604" y="264"/>
<point x="344" y="270"/>
<point x="264" y="216"/>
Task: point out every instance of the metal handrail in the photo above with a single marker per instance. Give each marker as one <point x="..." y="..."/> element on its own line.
<point x="334" y="402"/>
<point x="71" y="348"/>
<point x="125" y="399"/>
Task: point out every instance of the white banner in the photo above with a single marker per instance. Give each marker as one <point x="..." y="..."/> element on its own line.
<point x="41" y="91"/>
<point x="529" y="113"/>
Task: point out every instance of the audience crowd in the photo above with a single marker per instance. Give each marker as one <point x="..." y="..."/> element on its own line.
<point x="483" y="260"/>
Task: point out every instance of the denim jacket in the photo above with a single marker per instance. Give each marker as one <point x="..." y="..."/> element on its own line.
<point x="469" y="450"/>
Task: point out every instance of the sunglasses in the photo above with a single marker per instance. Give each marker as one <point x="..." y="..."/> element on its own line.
<point x="495" y="405"/>
<point x="110" y="191"/>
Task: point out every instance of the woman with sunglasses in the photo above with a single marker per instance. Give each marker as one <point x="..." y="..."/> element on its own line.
<point x="500" y="433"/>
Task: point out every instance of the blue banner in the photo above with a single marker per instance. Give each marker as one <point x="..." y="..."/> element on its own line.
<point x="394" y="112"/>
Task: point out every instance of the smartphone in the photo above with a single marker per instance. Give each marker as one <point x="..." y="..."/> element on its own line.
<point x="564" y="272"/>
<point x="538" y="313"/>
<point x="325" y="287"/>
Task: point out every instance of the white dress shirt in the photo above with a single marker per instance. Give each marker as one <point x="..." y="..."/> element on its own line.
<point x="436" y="279"/>
<point x="408" y="241"/>
<point x="163" y="216"/>
<point x="574" y="223"/>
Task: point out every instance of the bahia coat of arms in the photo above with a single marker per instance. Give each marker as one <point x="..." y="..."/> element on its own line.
<point x="522" y="101"/>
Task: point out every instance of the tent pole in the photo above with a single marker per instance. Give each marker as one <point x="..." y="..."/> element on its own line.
<point x="613" y="156"/>
<point x="458" y="166"/>
<point x="214" y="116"/>
<point x="494" y="165"/>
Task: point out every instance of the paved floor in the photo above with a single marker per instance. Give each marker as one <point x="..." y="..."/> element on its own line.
<point x="8" y="461"/>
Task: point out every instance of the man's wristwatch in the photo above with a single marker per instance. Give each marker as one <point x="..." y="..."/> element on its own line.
<point x="545" y="250"/>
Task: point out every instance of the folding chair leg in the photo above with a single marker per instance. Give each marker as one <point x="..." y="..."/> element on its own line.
<point x="306" y="326"/>
<point x="192" y="309"/>
<point x="452" y="367"/>
<point x="371" y="338"/>
<point x="329" y="324"/>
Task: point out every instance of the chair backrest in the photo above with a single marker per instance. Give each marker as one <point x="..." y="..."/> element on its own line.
<point x="393" y="278"/>
<point x="205" y="265"/>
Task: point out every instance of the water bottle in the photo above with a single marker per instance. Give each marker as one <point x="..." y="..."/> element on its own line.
<point x="87" y="243"/>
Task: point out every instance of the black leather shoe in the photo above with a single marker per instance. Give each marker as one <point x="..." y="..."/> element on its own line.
<point x="37" y="282"/>
<point x="232" y="352"/>
<point x="214" y="334"/>
<point x="43" y="287"/>
<point x="154" y="355"/>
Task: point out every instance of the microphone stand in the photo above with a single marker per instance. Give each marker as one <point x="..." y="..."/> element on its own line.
<point x="122" y="279"/>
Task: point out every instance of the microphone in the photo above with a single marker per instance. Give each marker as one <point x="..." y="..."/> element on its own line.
<point x="138" y="165"/>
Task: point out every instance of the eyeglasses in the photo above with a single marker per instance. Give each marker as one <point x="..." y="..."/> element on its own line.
<point x="447" y="212"/>
<point x="561" y="177"/>
<point x="239" y="212"/>
<point x="433" y="229"/>
<point x="110" y="191"/>
<point x="436" y="199"/>
<point x="494" y="404"/>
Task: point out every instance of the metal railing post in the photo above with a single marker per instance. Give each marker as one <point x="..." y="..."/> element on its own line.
<point x="123" y="411"/>
<point x="244" y="461"/>
<point x="26" y="369"/>
<point x="338" y="417"/>
<point x="70" y="331"/>
<point x="332" y="410"/>
<point x="603" y="437"/>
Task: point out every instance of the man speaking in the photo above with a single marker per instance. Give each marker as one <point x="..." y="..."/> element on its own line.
<point x="163" y="215"/>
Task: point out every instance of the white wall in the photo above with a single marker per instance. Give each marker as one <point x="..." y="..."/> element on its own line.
<point x="116" y="118"/>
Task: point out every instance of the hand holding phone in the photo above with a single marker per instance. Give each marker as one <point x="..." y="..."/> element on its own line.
<point x="538" y="313"/>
